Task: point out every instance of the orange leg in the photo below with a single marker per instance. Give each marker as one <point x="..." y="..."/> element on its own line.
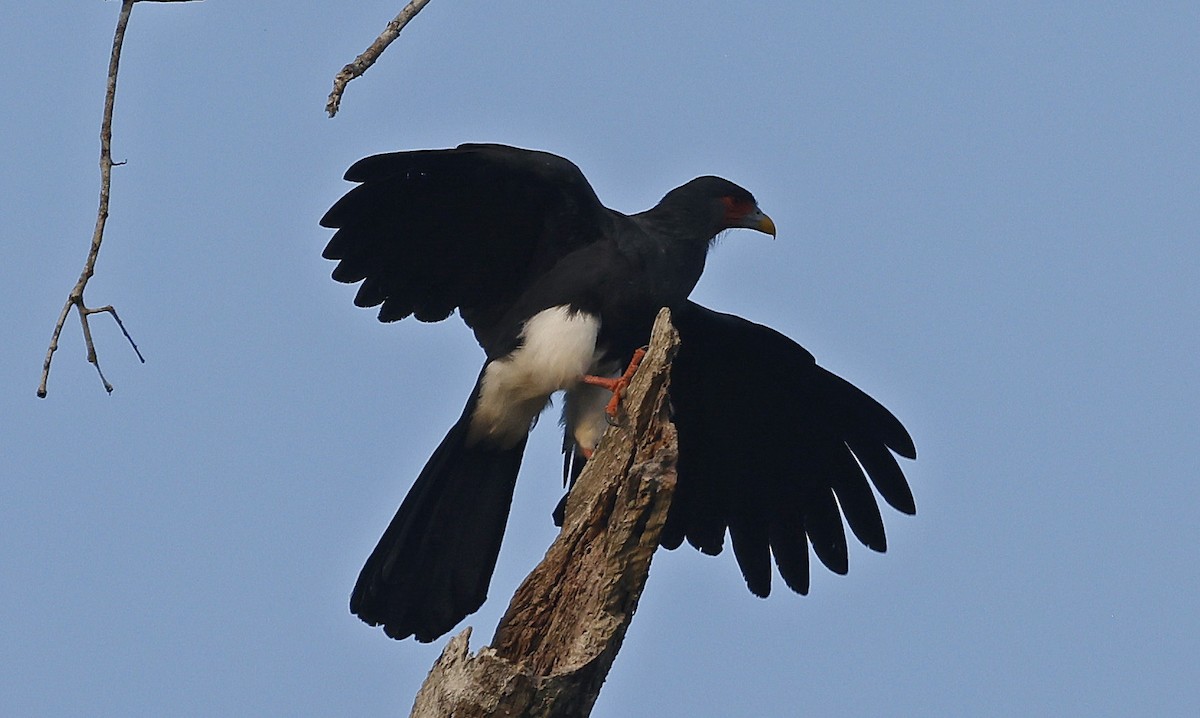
<point x="617" y="385"/>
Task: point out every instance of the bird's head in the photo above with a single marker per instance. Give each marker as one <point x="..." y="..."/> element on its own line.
<point x="722" y="203"/>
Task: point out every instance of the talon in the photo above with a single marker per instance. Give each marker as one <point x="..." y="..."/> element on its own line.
<point x="618" y="385"/>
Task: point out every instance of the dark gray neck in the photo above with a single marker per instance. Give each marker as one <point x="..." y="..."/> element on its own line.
<point x="680" y="222"/>
<point x="674" y="248"/>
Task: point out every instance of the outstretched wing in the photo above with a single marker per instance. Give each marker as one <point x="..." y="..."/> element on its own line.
<point x="770" y="446"/>
<point x="431" y="231"/>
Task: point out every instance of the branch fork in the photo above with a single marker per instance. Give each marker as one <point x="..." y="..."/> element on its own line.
<point x="75" y="299"/>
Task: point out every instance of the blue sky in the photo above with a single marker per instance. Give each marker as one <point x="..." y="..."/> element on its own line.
<point x="987" y="219"/>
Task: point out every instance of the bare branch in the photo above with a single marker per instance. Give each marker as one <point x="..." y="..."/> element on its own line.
<point x="75" y="299"/>
<point x="565" y="624"/>
<point x="364" y="61"/>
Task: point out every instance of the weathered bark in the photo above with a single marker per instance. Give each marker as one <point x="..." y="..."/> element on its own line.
<point x="565" y="624"/>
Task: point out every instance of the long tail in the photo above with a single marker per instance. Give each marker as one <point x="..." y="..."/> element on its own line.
<point x="434" y="562"/>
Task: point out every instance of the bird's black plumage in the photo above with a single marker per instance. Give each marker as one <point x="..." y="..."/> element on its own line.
<point x="443" y="543"/>
<point x="774" y="450"/>
<point x="431" y="231"/>
<point x="767" y="442"/>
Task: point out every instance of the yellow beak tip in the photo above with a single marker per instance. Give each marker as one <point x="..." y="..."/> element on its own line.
<point x="766" y="226"/>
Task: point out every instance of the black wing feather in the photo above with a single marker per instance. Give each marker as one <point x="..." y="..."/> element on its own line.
<point x="470" y="228"/>
<point x="789" y="545"/>
<point x="886" y="474"/>
<point x="856" y="500"/>
<point x="751" y="546"/>
<point x="777" y="450"/>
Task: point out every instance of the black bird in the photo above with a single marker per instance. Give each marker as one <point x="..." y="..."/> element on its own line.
<point x="560" y="292"/>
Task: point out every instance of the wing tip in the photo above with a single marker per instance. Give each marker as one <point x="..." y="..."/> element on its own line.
<point x="759" y="591"/>
<point x="903" y="444"/>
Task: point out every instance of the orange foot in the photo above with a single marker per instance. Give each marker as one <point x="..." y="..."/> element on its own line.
<point x="618" y="385"/>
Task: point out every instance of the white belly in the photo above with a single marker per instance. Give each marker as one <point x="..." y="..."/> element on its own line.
<point x="558" y="347"/>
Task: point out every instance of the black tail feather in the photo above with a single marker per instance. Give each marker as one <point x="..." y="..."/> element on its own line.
<point x="434" y="562"/>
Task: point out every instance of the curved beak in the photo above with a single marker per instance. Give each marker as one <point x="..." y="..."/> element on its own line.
<point x="758" y="220"/>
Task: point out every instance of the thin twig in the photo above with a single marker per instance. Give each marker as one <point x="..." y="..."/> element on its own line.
<point x="108" y="308"/>
<point x="364" y="61"/>
<point x="75" y="299"/>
